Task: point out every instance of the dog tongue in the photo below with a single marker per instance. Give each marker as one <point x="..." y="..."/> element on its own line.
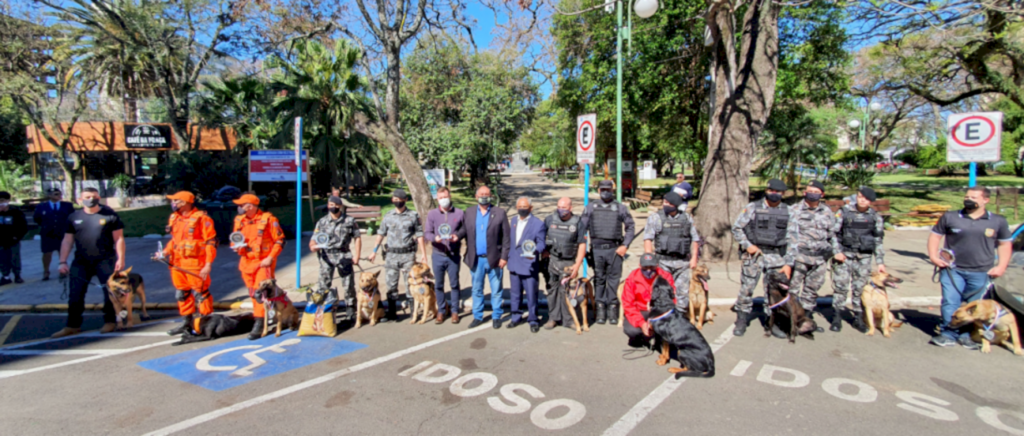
<point x="705" y="284"/>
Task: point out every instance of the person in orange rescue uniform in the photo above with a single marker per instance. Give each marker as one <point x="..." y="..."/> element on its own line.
<point x="264" y="241"/>
<point x="193" y="248"/>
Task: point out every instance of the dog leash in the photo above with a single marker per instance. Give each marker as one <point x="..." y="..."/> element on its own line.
<point x="987" y="334"/>
<point x="179" y="269"/>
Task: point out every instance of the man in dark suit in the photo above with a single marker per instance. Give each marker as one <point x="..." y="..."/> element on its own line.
<point x="528" y="233"/>
<point x="52" y="217"/>
<point x="487" y="246"/>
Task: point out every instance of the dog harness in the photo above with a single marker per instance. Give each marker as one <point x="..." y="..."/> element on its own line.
<point x="784" y="300"/>
<point x="987" y="334"/>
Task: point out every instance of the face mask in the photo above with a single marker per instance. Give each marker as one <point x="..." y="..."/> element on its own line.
<point x="174" y="207"/>
<point x="774" y="198"/>
<point x="4" y="204"/>
<point x="444" y="202"/>
<point x="523" y="213"/>
<point x="398" y="204"/>
<point x="564" y="213"/>
<point x="607" y="196"/>
<point x="241" y="211"/>
<point x="484" y="200"/>
<point x="669" y="209"/>
<point x="91" y="202"/>
<point x="334" y="210"/>
<point x="647" y="273"/>
<point x="812" y="197"/>
<point x="971" y="205"/>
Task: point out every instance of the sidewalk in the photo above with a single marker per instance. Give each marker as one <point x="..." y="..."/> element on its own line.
<point x="905" y="259"/>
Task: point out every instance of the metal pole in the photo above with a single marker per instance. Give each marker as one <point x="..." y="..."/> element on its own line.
<point x="298" y="202"/>
<point x="863" y="128"/>
<point x="974" y="175"/>
<point x="618" y="102"/>
<point x="586" y="201"/>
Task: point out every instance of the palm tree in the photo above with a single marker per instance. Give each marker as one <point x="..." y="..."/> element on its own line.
<point x="244" y="104"/>
<point x="792" y="138"/>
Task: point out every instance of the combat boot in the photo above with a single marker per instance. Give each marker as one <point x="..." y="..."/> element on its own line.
<point x="185" y="326"/>
<point x="837" y="323"/>
<point x="858" y="323"/>
<point x="742" y="321"/>
<point x="392" y="312"/>
<point x="600" y="313"/>
<point x="819" y="329"/>
<point x="257" y="330"/>
<point x="613" y="314"/>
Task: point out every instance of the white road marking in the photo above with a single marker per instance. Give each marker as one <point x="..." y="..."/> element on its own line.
<point x="17" y="372"/>
<point x="96" y="334"/>
<point x="59" y="352"/>
<point x="741" y="368"/>
<point x="767" y="375"/>
<point x="640" y="411"/>
<point x="8" y="328"/>
<point x="207" y="417"/>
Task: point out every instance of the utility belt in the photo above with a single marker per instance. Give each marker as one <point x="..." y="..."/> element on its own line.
<point x="824" y="252"/>
<point x="336" y="251"/>
<point x="604" y="244"/>
<point x="781" y="251"/>
<point x="402" y="250"/>
<point x="564" y="259"/>
<point x="665" y="256"/>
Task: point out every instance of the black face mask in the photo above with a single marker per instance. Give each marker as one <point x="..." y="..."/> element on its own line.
<point x="523" y="213"/>
<point x="774" y="197"/>
<point x="669" y="209"/>
<point x="971" y="205"/>
<point x="334" y="210"/>
<point x="398" y="204"/>
<point x="607" y="196"/>
<point x="91" y="202"/>
<point x="812" y="197"/>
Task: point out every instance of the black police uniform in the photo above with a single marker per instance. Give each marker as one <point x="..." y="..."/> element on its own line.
<point x="95" y="256"/>
<point x="562" y="242"/>
<point x="12" y="228"/>
<point x="605" y="222"/>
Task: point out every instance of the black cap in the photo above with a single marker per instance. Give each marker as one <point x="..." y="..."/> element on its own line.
<point x="400" y="193"/>
<point x="54" y="191"/>
<point x="648" y="259"/>
<point x="605" y="184"/>
<point x="777" y="185"/>
<point x="816" y="184"/>
<point x="868" y="193"/>
<point x="336" y="200"/>
<point x="4" y="195"/>
<point x="673" y="198"/>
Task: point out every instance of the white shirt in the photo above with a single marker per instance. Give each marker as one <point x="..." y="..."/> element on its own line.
<point x="520" y="227"/>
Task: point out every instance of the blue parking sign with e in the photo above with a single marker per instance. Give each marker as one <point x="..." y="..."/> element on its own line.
<point x="242" y="361"/>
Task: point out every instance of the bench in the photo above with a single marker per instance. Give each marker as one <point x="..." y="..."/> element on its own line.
<point x="643" y="199"/>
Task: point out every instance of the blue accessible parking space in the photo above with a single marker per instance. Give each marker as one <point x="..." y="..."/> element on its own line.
<point x="242" y="361"/>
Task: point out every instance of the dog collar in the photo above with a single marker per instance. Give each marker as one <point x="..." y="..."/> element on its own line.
<point x="784" y="300"/>
<point x="662" y="316"/>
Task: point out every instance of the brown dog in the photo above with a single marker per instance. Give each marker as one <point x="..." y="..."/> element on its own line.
<point x="992" y="322"/>
<point x="875" y="300"/>
<point x="368" y="299"/>
<point x="284" y="312"/>
<point x="123" y="287"/>
<point x="421" y="285"/>
<point x="699" y="311"/>
<point x="581" y="292"/>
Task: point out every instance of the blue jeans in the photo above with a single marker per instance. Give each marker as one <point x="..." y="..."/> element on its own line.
<point x="964" y="284"/>
<point x="445" y="264"/>
<point x="482" y="269"/>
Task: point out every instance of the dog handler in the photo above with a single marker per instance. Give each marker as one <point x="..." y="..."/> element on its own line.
<point x="810" y="243"/>
<point x="605" y="220"/>
<point x="193" y="248"/>
<point x="761" y="232"/>
<point x="636" y="300"/>
<point x="97" y="233"/>
<point x="341" y="230"/>
<point x="672" y="235"/>
<point x="264" y="241"/>
<point x="859" y="230"/>
<point x="404" y="231"/>
<point x="565" y="245"/>
<point x="974" y="235"/>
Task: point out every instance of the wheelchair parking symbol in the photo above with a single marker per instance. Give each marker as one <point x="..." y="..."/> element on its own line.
<point x="242" y="361"/>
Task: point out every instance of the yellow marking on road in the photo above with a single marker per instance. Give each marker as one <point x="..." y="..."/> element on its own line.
<point x="8" y="328"/>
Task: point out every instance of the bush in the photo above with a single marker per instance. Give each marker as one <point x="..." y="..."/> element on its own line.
<point x="202" y="173"/>
<point x="852" y="178"/>
<point x="14" y="178"/>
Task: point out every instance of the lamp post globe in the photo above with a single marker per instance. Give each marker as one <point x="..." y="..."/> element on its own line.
<point x="854" y="124"/>
<point x="875" y="106"/>
<point x="645" y="8"/>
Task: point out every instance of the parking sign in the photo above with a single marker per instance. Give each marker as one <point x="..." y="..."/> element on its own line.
<point x="974" y="137"/>
<point x="586" y="137"/>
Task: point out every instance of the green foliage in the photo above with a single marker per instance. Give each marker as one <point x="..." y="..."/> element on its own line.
<point x="15" y="179"/>
<point x="927" y="158"/>
<point x="793" y="137"/>
<point x="858" y="158"/>
<point x="852" y="178"/>
<point x="244" y="104"/>
<point x="551" y="138"/>
<point x="12" y="133"/>
<point x="123" y="182"/>
<point x="1013" y="134"/>
<point x="203" y="172"/>
<point x="812" y="54"/>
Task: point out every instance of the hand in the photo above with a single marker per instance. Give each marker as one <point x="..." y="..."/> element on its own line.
<point x="646" y="328"/>
<point x="372" y="257"/>
<point x="839" y="257"/>
<point x="119" y="265"/>
<point x="753" y="249"/>
<point x="575" y="271"/>
<point x="621" y="251"/>
<point x="355" y="262"/>
<point x="996" y="271"/>
<point x="937" y="261"/>
<point x="205" y="272"/>
<point x="502" y="263"/>
<point x="788" y="271"/>
<point x="63" y="269"/>
<point x="313" y="247"/>
<point x="881" y="269"/>
<point x="423" y="260"/>
<point x="455" y="238"/>
<point x="265" y="263"/>
<point x="693" y="262"/>
<point x="437" y="239"/>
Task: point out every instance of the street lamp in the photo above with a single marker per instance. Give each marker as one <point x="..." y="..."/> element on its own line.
<point x="644" y="9"/>
<point x="856" y="124"/>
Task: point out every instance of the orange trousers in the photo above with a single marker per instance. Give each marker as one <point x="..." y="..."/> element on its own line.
<point x="252" y="279"/>
<point x="188" y="288"/>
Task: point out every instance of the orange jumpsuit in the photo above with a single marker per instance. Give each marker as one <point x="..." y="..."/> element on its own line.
<point x="193" y="246"/>
<point x="263" y="238"/>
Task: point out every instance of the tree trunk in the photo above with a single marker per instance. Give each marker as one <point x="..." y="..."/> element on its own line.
<point x="410" y="168"/>
<point x="738" y="119"/>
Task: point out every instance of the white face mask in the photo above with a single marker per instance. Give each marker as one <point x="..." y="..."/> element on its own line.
<point x="241" y="211"/>
<point x="444" y="202"/>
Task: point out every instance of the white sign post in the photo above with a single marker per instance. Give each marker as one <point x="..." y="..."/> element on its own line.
<point x="586" y="137"/>
<point x="974" y="137"/>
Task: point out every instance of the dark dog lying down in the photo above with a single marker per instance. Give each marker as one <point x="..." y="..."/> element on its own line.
<point x="673" y="329"/>
<point x="218" y="326"/>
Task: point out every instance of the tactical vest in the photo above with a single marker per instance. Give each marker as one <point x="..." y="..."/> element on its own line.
<point x="561" y="239"/>
<point x="859" y="231"/>
<point x="674" y="238"/>
<point x="605" y="222"/>
<point x="768" y="227"/>
<point x="261" y="245"/>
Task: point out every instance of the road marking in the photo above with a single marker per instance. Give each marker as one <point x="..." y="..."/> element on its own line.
<point x="17" y="372"/>
<point x="640" y="411"/>
<point x="95" y="334"/>
<point x="59" y="352"/>
<point x="207" y="417"/>
<point x="8" y="328"/>
<point x="741" y="368"/>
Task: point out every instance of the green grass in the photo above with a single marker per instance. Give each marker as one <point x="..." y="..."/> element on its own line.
<point x="947" y="181"/>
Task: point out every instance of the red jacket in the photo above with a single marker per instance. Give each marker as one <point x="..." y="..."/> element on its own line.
<point x="636" y="295"/>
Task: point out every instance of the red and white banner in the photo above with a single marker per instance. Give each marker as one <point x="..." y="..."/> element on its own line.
<point x="275" y="165"/>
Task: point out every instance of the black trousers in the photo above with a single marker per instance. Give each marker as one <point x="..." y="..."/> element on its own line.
<point x="635" y="334"/>
<point x="607" y="273"/>
<point x="82" y="272"/>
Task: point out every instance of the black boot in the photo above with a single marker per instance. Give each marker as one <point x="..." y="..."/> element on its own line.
<point x="837" y="323"/>
<point x="819" y="329"/>
<point x="742" y="321"/>
<point x="613" y="314"/>
<point x="186" y="326"/>
<point x="257" y="330"/>
<point x="600" y="313"/>
<point x="392" y="314"/>
<point x="858" y="323"/>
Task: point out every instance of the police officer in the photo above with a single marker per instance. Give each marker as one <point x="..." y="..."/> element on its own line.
<point x="405" y="238"/>
<point x="605" y="219"/>
<point x="672" y="235"/>
<point x="810" y="242"/>
<point x="192" y="248"/>
<point x="565" y="245"/>
<point x="98" y="236"/>
<point x="859" y="230"/>
<point x="761" y="232"/>
<point x="974" y="236"/>
<point x="12" y="228"/>
<point x="341" y="230"/>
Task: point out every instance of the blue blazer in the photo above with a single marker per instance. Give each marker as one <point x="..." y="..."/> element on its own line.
<point x="535" y="231"/>
<point x="53" y="223"/>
